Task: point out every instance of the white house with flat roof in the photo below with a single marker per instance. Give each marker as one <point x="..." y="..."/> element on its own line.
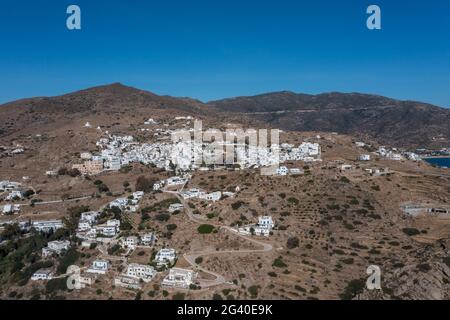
<point x="148" y="239"/>
<point x="105" y="230"/>
<point x="179" y="278"/>
<point x="11" y="209"/>
<point x="165" y="256"/>
<point x="15" y="194"/>
<point x="47" y="225"/>
<point x="129" y="242"/>
<point x="120" y="203"/>
<point x="90" y="216"/>
<point x="140" y="271"/>
<point x="99" y="266"/>
<point x="7" y="185"/>
<point x="42" y="274"/>
<point x="175" y="181"/>
<point x="262" y="228"/>
<point x="213" y="196"/>
<point x="127" y="282"/>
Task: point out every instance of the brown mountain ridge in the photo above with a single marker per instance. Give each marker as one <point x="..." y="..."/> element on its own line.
<point x="393" y="122"/>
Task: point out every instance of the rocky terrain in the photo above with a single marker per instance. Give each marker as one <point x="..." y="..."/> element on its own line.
<point x="406" y="124"/>
<point x="331" y="224"/>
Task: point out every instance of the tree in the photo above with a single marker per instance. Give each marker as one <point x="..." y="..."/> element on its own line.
<point x="144" y="184"/>
<point x="102" y="187"/>
<point x="11" y="231"/>
<point x="205" y="228"/>
<point x="198" y="260"/>
<point x="171" y="227"/>
<point x="67" y="260"/>
<point x="353" y="288"/>
<point x="292" y="243"/>
<point x="74" y="173"/>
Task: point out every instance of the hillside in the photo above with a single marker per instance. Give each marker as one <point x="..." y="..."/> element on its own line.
<point x="400" y="123"/>
<point x="109" y="101"/>
<point x="391" y="122"/>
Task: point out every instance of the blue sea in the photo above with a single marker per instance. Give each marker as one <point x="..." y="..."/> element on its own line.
<point x="440" y="162"/>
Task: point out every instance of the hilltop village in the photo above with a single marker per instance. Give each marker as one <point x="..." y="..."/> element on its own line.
<point x="149" y="222"/>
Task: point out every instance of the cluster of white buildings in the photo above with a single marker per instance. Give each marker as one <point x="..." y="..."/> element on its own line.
<point x="262" y="228"/>
<point x="14" y="189"/>
<point x="118" y="151"/>
<point x="306" y="151"/>
<point x="88" y="229"/>
<point x="131" y="242"/>
<point x="395" y="154"/>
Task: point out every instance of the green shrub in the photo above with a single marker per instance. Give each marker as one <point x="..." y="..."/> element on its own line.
<point x="292" y="243"/>
<point x="198" y="260"/>
<point x="279" y="263"/>
<point x="353" y="288"/>
<point x="411" y="231"/>
<point x="205" y="228"/>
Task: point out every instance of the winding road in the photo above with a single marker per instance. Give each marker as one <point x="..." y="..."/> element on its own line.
<point x="192" y="256"/>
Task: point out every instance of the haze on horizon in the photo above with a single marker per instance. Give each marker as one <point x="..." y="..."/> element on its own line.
<point x="213" y="50"/>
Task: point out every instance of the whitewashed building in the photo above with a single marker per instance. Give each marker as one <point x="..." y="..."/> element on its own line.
<point x="140" y="271"/>
<point x="99" y="266"/>
<point x="262" y="228"/>
<point x="11" y="209"/>
<point x="7" y="185"/>
<point x="15" y="194"/>
<point x="127" y="282"/>
<point x="47" y="225"/>
<point x="282" y="171"/>
<point x="179" y="278"/>
<point x="364" y="157"/>
<point x="129" y="242"/>
<point x="213" y="196"/>
<point x="55" y="248"/>
<point x="148" y="239"/>
<point x="165" y="256"/>
<point x="42" y="274"/>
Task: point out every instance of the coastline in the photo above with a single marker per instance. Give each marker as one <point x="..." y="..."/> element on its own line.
<point x="436" y="157"/>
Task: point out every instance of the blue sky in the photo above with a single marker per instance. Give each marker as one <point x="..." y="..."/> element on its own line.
<point x="211" y="49"/>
